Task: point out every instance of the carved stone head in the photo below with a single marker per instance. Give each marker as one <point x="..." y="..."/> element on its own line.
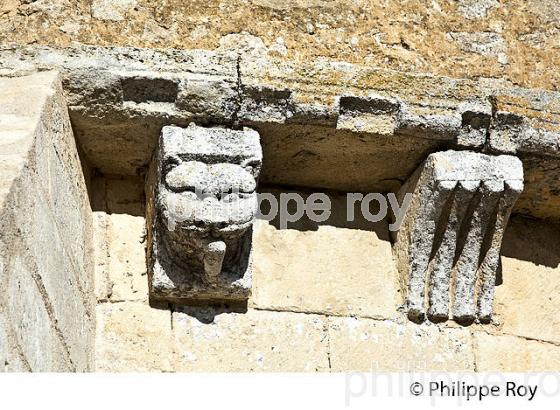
<point x="204" y="203"/>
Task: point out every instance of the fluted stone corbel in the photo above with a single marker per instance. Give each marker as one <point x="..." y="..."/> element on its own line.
<point x="201" y="204"/>
<point x="448" y="245"/>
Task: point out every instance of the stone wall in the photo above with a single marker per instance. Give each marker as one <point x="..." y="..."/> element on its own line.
<point x="513" y="40"/>
<point x="47" y="316"/>
<point x="347" y="96"/>
<point x="313" y="116"/>
<point x="325" y="298"/>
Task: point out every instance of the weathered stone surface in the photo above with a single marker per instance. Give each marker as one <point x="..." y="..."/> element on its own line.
<point x="202" y="201"/>
<point x="32" y="336"/>
<point x="325" y="123"/>
<point x="364" y="100"/>
<point x="525" y="123"/>
<point x="307" y="112"/>
<point x="118" y="194"/>
<point x="132" y="336"/>
<point x="516" y="40"/>
<point x="307" y="155"/>
<point x="451" y="235"/>
<point x="371" y="345"/>
<point x="10" y="361"/>
<point x="502" y="353"/>
<point x="145" y="343"/>
<point x="17" y="125"/>
<point x="121" y="273"/>
<point x="135" y="337"/>
<point x="125" y="195"/>
<point x="46" y="280"/>
<point x="120" y="98"/>
<point x="330" y="270"/>
<point x="541" y="197"/>
<point x="101" y="241"/>
<point x="251" y="341"/>
<point x="111" y="10"/>
<point x="526" y="302"/>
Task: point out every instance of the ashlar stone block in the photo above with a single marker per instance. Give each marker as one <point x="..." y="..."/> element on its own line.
<point x="201" y="204"/>
<point x="448" y="245"/>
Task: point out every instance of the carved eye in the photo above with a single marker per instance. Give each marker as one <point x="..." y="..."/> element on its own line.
<point x="231" y="179"/>
<point x="251" y="165"/>
<point x="187" y="176"/>
<point x="169" y="164"/>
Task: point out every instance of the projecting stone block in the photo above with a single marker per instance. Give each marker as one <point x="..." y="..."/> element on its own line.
<point x="448" y="245"/>
<point x="201" y="205"/>
<point x="46" y="264"/>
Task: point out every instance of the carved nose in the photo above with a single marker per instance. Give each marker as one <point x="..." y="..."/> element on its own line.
<point x="214" y="258"/>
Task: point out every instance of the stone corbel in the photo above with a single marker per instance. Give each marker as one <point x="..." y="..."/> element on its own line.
<point x="201" y="204"/>
<point x="448" y="245"/>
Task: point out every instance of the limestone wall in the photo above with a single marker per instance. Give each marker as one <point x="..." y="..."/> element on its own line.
<point x="313" y="117"/>
<point x="512" y="40"/>
<point x="347" y="96"/>
<point x="47" y="317"/>
<point x="325" y="298"/>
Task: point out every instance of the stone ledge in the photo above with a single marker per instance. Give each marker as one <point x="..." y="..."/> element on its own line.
<point x="320" y="92"/>
<point x="120" y="98"/>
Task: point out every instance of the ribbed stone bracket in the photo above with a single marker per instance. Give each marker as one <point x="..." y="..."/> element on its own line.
<point x="201" y="203"/>
<point x="448" y="245"/>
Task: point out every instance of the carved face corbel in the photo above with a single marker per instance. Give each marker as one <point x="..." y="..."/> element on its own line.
<point x="204" y="204"/>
